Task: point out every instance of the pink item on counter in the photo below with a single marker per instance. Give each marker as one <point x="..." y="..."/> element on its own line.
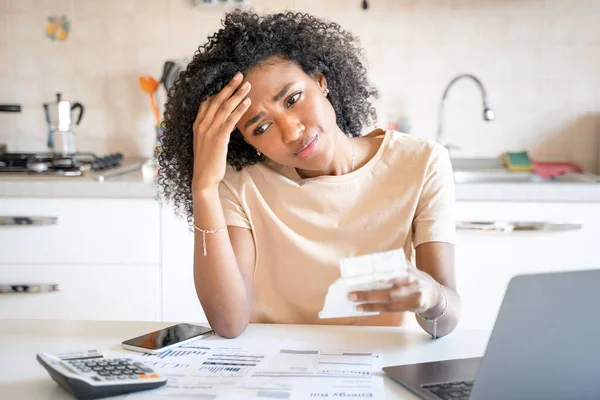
<point x="550" y="169"/>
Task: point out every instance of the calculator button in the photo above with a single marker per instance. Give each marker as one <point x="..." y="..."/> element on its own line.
<point x="144" y="376"/>
<point x="154" y="376"/>
<point x="138" y="372"/>
<point x="103" y="373"/>
<point x="123" y="377"/>
<point x="86" y="369"/>
<point x="143" y="367"/>
<point x="115" y="372"/>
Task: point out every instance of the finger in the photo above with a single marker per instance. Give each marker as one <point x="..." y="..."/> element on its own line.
<point x="223" y="95"/>
<point x="231" y="104"/>
<point x="202" y="109"/>
<point x="382" y="307"/>
<point x="379" y="296"/>
<point x="235" y="116"/>
<point x="401" y="281"/>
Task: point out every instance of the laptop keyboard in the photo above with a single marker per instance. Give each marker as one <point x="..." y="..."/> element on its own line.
<point x="451" y="390"/>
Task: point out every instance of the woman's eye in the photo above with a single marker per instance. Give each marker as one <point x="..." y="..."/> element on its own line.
<point x="294" y="98"/>
<point x="261" y="129"/>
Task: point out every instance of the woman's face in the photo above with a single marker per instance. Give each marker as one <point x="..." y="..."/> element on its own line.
<point x="290" y="119"/>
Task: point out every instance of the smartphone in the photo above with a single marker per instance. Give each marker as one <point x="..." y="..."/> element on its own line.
<point x="167" y="338"/>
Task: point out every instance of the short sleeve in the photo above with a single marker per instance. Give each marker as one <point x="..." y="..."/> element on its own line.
<point x="434" y="219"/>
<point x="232" y="209"/>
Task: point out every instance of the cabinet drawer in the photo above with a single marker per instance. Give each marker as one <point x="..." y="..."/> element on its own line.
<point x="79" y="231"/>
<point x="487" y="260"/>
<point x="85" y="292"/>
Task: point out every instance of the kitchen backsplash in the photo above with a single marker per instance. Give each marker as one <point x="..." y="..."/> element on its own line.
<point x="539" y="61"/>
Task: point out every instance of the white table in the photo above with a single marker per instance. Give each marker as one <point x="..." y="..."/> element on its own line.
<point x="21" y="376"/>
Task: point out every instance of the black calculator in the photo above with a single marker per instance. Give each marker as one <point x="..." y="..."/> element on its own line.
<point x="93" y="378"/>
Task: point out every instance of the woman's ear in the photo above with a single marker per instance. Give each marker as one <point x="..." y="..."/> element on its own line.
<point x="321" y="81"/>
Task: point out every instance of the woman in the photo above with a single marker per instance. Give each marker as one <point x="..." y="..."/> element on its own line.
<point x="263" y="152"/>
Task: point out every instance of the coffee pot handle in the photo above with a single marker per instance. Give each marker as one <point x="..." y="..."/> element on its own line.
<point x="80" y="106"/>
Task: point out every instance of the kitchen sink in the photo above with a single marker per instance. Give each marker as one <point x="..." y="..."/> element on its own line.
<point x="488" y="170"/>
<point x="492" y="170"/>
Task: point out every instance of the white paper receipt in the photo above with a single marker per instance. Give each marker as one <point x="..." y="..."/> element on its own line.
<point x="362" y="273"/>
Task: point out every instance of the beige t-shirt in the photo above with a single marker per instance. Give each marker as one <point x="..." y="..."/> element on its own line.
<point x="302" y="228"/>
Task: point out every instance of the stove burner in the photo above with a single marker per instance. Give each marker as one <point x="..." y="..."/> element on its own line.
<point x="49" y="163"/>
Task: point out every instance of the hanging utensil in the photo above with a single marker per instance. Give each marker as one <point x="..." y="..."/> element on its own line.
<point x="150" y="85"/>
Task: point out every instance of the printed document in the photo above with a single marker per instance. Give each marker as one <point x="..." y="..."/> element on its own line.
<point x="259" y="368"/>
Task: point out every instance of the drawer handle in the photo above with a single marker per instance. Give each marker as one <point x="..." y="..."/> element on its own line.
<point x="511" y="226"/>
<point x="13" y="221"/>
<point x="24" y="289"/>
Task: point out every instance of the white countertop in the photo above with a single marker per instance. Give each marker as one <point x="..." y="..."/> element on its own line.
<point x="23" y="377"/>
<point x="130" y="185"/>
<point x="133" y="185"/>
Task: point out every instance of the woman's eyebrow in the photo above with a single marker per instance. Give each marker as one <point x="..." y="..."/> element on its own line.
<point x="282" y="92"/>
<point x="277" y="97"/>
<point x="253" y="120"/>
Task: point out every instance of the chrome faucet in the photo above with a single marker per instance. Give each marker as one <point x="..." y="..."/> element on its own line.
<point x="488" y="113"/>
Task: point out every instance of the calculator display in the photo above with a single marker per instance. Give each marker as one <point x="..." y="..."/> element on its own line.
<point x="168" y="336"/>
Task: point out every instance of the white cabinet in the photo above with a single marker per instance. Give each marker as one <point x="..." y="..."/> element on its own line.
<point x="80" y="231"/>
<point x="486" y="260"/>
<point x="180" y="302"/>
<point x="104" y="255"/>
<point x="94" y="292"/>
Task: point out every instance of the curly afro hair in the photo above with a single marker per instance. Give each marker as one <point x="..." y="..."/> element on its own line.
<point x="245" y="41"/>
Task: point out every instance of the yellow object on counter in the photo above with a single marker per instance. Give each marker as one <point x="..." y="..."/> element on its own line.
<point x="517" y="162"/>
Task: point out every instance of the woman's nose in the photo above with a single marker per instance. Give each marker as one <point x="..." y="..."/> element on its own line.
<point x="291" y="129"/>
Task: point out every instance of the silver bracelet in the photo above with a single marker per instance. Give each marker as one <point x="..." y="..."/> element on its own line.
<point x="204" y="232"/>
<point x="435" y="320"/>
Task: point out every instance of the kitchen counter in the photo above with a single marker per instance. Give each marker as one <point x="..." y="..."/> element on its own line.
<point x="133" y="185"/>
<point x="130" y="185"/>
<point x="519" y="191"/>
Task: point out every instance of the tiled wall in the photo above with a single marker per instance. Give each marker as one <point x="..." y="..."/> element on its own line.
<point x="538" y="59"/>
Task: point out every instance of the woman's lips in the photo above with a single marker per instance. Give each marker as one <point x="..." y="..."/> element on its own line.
<point x="309" y="148"/>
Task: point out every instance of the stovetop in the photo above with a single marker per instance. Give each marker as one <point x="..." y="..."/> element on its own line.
<point x="78" y="164"/>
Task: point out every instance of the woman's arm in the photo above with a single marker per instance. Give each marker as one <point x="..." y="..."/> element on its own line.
<point x="224" y="277"/>
<point x="436" y="259"/>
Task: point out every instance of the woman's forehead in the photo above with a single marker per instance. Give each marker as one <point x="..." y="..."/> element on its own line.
<point x="274" y="71"/>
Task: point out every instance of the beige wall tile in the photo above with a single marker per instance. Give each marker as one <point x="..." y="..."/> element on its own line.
<point x="58" y="7"/>
<point x="57" y="59"/>
<point x="557" y="61"/>
<point x="27" y="61"/>
<point x="91" y="92"/>
<point x="27" y="28"/>
<point x="93" y="8"/>
<point x="150" y="29"/>
<point x="7" y="61"/>
<point x="94" y="123"/>
<point x="90" y="30"/>
<point x="28" y="92"/>
<point x="3" y="30"/>
<point x="92" y="61"/>
<point x="539" y="61"/>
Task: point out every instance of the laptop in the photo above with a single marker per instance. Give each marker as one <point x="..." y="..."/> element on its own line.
<point x="545" y="344"/>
